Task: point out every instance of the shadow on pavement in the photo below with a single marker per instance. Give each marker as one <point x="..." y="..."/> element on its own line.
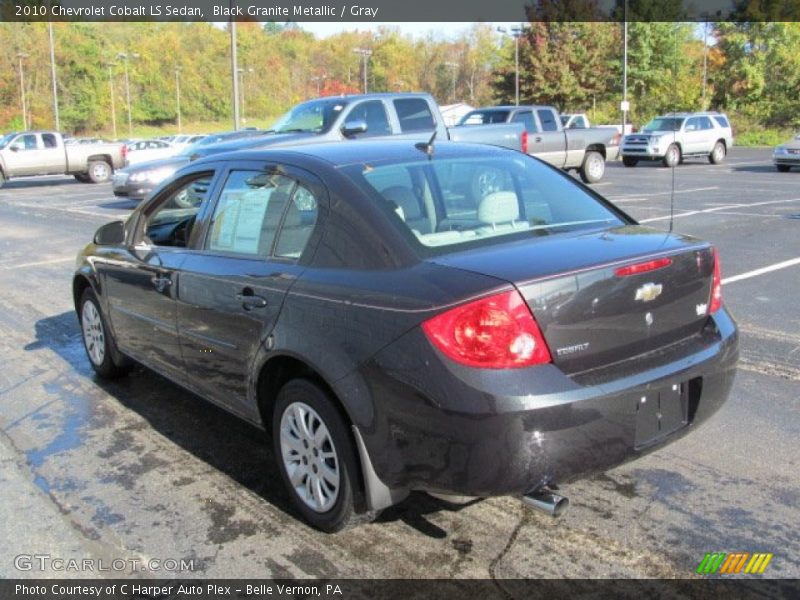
<point x="225" y="442"/>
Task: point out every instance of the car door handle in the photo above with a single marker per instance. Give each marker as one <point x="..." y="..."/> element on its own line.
<point x="250" y="300"/>
<point x="161" y="283"/>
<point x="538" y="139"/>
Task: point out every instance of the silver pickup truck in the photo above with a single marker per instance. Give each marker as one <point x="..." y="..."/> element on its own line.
<point x="32" y="153"/>
<point x="411" y="116"/>
<point x="585" y="150"/>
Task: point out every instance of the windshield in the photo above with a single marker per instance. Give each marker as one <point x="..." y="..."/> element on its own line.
<point x="484" y="117"/>
<point x="6" y="139"/>
<point x="315" y="116"/>
<point x="664" y="124"/>
<point x="448" y="204"/>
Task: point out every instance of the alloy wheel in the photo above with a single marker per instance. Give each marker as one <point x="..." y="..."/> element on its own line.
<point x="93" y="334"/>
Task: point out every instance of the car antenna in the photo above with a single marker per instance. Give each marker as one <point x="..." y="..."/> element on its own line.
<point x="427" y="147"/>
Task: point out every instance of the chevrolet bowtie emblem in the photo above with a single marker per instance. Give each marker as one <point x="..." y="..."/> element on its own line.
<point x="649" y="292"/>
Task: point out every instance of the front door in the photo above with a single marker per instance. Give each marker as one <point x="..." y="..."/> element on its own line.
<point x="141" y="285"/>
<point x="22" y="155"/>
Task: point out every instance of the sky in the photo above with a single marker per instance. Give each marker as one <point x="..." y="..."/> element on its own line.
<point x="446" y="30"/>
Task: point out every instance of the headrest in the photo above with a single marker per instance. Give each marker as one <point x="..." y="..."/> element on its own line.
<point x="498" y="207"/>
<point x="405" y="199"/>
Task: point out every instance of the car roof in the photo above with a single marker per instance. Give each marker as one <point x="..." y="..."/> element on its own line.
<point x="340" y="154"/>
<point x="692" y="114"/>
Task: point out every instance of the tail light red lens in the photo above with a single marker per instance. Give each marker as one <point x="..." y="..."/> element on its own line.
<point x="524" y="141"/>
<point x="498" y="332"/>
<point x="715" y="302"/>
<point x="643" y="267"/>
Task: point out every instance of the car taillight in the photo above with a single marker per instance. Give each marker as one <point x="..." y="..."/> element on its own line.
<point x="715" y="302"/>
<point x="498" y="332"/>
<point x="524" y="141"/>
<point x="643" y="267"/>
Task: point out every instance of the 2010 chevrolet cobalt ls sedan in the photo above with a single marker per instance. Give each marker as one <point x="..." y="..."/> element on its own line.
<point x="459" y="319"/>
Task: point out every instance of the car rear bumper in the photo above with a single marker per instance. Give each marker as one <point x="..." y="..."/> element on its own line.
<point x="439" y="427"/>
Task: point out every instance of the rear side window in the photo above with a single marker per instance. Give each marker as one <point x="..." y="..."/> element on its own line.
<point x="414" y="115"/>
<point x="301" y="216"/>
<point x="485" y="117"/>
<point x="450" y="203"/>
<point x="49" y="140"/>
<point x="248" y="213"/>
<point x="722" y="121"/>
<point x="705" y="123"/>
<point x="548" y="120"/>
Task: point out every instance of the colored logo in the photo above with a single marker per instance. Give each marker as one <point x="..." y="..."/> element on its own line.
<point x="735" y="562"/>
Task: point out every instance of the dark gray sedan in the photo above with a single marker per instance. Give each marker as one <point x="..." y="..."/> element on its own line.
<point x="458" y="319"/>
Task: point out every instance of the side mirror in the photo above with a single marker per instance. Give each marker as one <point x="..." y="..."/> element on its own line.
<point x="110" y="234"/>
<point x="354" y="127"/>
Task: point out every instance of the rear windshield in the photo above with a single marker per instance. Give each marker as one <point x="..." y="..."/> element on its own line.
<point x="454" y="203"/>
<point x="484" y="117"/>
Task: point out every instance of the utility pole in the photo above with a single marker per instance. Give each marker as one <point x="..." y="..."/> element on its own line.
<point x="365" y="54"/>
<point x="126" y="58"/>
<point x="234" y="76"/>
<point x="178" y="96"/>
<point x="516" y="33"/>
<point x="111" y="92"/>
<point x="21" y="56"/>
<point x="624" y="106"/>
<point x="242" y="73"/>
<point x="454" y="67"/>
<point x="705" y="62"/>
<point x="56" y="118"/>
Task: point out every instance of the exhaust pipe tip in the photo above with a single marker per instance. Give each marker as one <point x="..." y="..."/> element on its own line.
<point x="547" y="501"/>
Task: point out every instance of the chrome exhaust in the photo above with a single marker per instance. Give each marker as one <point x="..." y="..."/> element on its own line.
<point x="546" y="501"/>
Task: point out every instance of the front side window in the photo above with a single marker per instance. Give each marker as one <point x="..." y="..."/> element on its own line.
<point x="664" y="124"/>
<point x="414" y="115"/>
<point x="171" y="223"/>
<point x="548" y="120"/>
<point x="248" y="213"/>
<point x="374" y="115"/>
<point x="454" y="202"/>
<point x="25" y="142"/>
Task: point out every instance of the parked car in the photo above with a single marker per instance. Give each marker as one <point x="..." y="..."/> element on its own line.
<point x="44" y="153"/>
<point x="674" y="137"/>
<point x="584" y="150"/>
<point x="138" y="180"/>
<point x="333" y="119"/>
<point x="459" y="319"/>
<point x="787" y="155"/>
<point x="145" y="150"/>
<point x="581" y="121"/>
<point x="183" y="141"/>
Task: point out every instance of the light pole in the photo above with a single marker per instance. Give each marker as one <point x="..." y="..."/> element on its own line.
<point x="365" y="53"/>
<point x="234" y="76"/>
<point x="516" y="33"/>
<point x="318" y="79"/>
<point x="705" y="62"/>
<point x="178" y="96"/>
<point x="110" y="66"/>
<point x="53" y="76"/>
<point x="21" y="56"/>
<point x="454" y="67"/>
<point x="242" y="72"/>
<point x="125" y="58"/>
<point x="624" y="105"/>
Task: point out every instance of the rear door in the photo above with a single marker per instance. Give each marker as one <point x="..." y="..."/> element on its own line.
<point x="549" y="143"/>
<point x="233" y="284"/>
<point x="51" y="155"/>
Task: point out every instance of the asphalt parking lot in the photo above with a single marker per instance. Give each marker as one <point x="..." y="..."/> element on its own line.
<point x="142" y="469"/>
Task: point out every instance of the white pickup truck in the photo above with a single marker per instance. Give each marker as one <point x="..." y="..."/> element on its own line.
<point x="31" y="153"/>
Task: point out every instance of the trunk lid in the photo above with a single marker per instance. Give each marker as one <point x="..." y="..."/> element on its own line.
<point x="589" y="314"/>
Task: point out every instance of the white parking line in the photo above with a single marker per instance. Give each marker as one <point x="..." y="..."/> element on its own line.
<point x="37" y="264"/>
<point x="637" y="196"/>
<point x="718" y="209"/>
<point x="762" y="270"/>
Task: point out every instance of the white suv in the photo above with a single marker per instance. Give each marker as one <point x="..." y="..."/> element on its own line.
<point x="671" y="138"/>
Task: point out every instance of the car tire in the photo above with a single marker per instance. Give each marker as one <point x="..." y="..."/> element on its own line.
<point x="783" y="168"/>
<point x="593" y="167"/>
<point x="99" y="171"/>
<point x="2" y="179"/>
<point x="629" y="161"/>
<point x="672" y="157"/>
<point x="717" y="154"/>
<point x="101" y="349"/>
<point x="309" y="434"/>
<point x="82" y="177"/>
